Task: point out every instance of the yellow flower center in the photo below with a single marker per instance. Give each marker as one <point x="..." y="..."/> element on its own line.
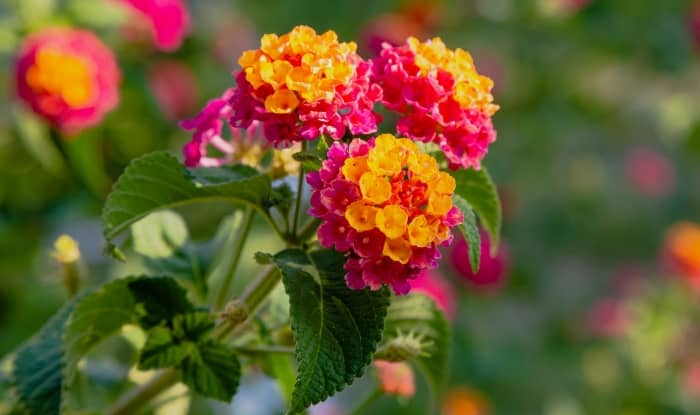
<point x="57" y="73"/>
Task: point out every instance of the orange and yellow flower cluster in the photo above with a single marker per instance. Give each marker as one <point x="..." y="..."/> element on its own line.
<point x="388" y="205"/>
<point x="440" y="96"/>
<point x="302" y="84"/>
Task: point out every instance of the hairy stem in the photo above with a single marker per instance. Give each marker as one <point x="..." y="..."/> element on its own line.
<point x="300" y="188"/>
<point x="137" y="397"/>
<point x="252" y="297"/>
<point x="237" y="250"/>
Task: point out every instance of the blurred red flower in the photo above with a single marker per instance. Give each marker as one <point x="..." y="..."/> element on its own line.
<point x="439" y="289"/>
<point x="681" y="251"/>
<point x="492" y="269"/>
<point x="649" y="172"/>
<point x="175" y="88"/>
<point x="608" y="318"/>
<point x="464" y="401"/>
<point x="67" y="76"/>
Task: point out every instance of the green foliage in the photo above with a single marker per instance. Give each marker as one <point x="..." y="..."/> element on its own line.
<point x="419" y="316"/>
<point x="160" y="300"/>
<point x="159" y="181"/>
<point x="38" y="366"/>
<point x="213" y="370"/>
<point x="96" y="317"/>
<point x="162" y="349"/>
<point x="470" y="230"/>
<point x="336" y="329"/>
<point x="477" y="188"/>
<point x="163" y="240"/>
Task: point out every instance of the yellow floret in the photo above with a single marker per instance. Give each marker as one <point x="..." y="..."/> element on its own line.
<point x="375" y="189"/>
<point x="392" y="221"/>
<point x="397" y="249"/>
<point x="361" y="216"/>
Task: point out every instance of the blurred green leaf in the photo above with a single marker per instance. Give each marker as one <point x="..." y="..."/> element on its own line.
<point x="419" y="315"/>
<point x="470" y="230"/>
<point x="159" y="181"/>
<point x="477" y="188"/>
<point x="38" y="366"/>
<point x="336" y="329"/>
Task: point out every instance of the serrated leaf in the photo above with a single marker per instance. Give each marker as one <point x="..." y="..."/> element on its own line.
<point x="336" y="329"/>
<point x="160" y="234"/>
<point x="470" y="230"/>
<point x="477" y="188"/>
<point x="161" y="299"/>
<point x="162" y="349"/>
<point x="193" y="326"/>
<point x="212" y="370"/>
<point x="159" y="181"/>
<point x="38" y="366"/>
<point x="418" y="314"/>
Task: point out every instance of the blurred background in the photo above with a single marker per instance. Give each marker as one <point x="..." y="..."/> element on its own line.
<point x="591" y="305"/>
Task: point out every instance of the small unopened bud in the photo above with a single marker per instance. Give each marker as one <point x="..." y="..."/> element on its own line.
<point x="67" y="254"/>
<point x="405" y="346"/>
<point x="235" y="312"/>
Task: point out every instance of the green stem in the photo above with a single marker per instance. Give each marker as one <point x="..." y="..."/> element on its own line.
<point x="252" y="297"/>
<point x="361" y="409"/>
<point x="300" y="188"/>
<point x="137" y="397"/>
<point x="237" y="250"/>
<point x="309" y="228"/>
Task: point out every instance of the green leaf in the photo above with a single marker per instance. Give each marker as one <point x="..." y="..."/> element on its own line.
<point x="477" y="188"/>
<point x="162" y="349"/>
<point x="309" y="159"/>
<point x="38" y="366"/>
<point x="159" y="181"/>
<point x="212" y="370"/>
<point x="336" y="329"/>
<point x="193" y="326"/>
<point x="470" y="230"/>
<point x="163" y="240"/>
<point x="96" y="317"/>
<point x="418" y="314"/>
<point x="161" y="299"/>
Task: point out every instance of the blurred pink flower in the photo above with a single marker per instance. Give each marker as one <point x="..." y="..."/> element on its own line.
<point x="608" y="318"/>
<point x="67" y="76"/>
<point x="695" y="23"/>
<point x="234" y="35"/>
<point x="393" y="29"/>
<point x="325" y="408"/>
<point x="691" y="379"/>
<point x="649" y="172"/>
<point x="492" y="270"/>
<point x="395" y="378"/>
<point x="439" y="289"/>
<point x="167" y="20"/>
<point x="175" y="88"/>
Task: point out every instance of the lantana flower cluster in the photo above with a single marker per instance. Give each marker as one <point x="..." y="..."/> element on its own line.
<point x="441" y="98"/>
<point x="382" y="201"/>
<point x="387" y="205"/>
<point x="302" y="85"/>
<point x="67" y="76"/>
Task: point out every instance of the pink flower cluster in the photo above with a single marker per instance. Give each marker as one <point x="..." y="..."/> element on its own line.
<point x="441" y="98"/>
<point x="367" y="264"/>
<point x="351" y="109"/>
<point x="208" y="134"/>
